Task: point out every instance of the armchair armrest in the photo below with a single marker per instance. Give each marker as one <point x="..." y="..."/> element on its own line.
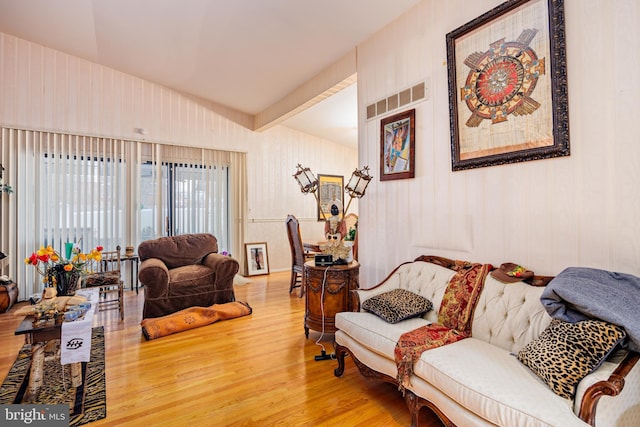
<point x="224" y="266"/>
<point x="154" y="275"/>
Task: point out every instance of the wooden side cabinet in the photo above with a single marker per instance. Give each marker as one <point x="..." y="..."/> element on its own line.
<point x="327" y="292"/>
<point x="8" y="295"/>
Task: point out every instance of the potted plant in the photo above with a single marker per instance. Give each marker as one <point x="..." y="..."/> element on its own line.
<point x="4" y="188"/>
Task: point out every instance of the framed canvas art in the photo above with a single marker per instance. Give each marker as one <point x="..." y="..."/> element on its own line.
<point x="397" y="146"/>
<point x="508" y="97"/>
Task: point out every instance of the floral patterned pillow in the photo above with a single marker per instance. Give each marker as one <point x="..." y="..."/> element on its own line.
<point x="396" y="305"/>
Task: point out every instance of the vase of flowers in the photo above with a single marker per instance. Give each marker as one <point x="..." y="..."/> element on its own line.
<point x="62" y="273"/>
<point x="65" y="282"/>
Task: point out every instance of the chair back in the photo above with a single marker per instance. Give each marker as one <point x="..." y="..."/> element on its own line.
<point x="108" y="278"/>
<point x="351" y="222"/>
<point x="178" y="251"/>
<point x="295" y="241"/>
<point x="110" y="262"/>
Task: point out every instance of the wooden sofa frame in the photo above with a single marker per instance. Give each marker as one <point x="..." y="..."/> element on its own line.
<point x="611" y="387"/>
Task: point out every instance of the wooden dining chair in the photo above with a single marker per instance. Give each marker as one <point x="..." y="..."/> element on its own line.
<point x="298" y="254"/>
<point x="108" y="276"/>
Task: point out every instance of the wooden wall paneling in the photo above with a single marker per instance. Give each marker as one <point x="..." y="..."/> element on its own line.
<point x="46" y="89"/>
<point x="550" y="213"/>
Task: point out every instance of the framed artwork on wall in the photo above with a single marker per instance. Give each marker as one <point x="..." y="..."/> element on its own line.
<point x="397" y="146"/>
<point x="257" y="258"/>
<point x="330" y="192"/>
<point x="508" y="98"/>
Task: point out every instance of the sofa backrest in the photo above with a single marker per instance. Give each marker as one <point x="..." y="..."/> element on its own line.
<point x="423" y="278"/>
<point x="509" y="315"/>
<point x="178" y="251"/>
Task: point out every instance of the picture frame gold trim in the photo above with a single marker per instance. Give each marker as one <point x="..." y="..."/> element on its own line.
<point x="508" y="99"/>
<point x="398" y="146"/>
<point x="328" y="187"/>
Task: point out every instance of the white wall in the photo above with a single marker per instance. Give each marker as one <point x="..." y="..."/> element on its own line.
<point x="581" y="210"/>
<point x="48" y="90"/>
<point x="274" y="193"/>
<point x="547" y="214"/>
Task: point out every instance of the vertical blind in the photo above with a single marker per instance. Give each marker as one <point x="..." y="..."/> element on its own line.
<point x="103" y="191"/>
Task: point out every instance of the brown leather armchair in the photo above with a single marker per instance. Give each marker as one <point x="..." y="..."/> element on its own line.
<point x="183" y="271"/>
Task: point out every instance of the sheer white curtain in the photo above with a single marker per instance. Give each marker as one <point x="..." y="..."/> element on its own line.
<point x="81" y="194"/>
<point x="103" y="191"/>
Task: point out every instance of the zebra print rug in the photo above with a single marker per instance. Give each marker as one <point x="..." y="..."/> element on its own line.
<point x="87" y="403"/>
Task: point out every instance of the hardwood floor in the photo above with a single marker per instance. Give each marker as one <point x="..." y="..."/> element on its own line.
<point x="257" y="370"/>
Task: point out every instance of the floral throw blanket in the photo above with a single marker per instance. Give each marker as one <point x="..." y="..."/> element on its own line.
<point x="454" y="319"/>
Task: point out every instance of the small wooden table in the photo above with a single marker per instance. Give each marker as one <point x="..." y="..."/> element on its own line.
<point x="134" y="260"/>
<point x="327" y="292"/>
<point x="38" y="336"/>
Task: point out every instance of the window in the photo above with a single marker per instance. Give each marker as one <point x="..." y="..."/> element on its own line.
<point x="195" y="200"/>
<point x="102" y="191"/>
<point x="84" y="198"/>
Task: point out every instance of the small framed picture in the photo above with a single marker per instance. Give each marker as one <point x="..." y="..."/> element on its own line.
<point x="257" y="258"/>
<point x="330" y="193"/>
<point x="397" y="146"/>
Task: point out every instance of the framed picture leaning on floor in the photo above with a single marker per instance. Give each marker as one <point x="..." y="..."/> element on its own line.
<point x="257" y="258"/>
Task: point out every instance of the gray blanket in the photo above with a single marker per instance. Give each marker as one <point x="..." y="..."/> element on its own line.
<point x="581" y="293"/>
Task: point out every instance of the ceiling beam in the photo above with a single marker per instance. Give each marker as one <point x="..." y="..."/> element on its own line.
<point x="329" y="81"/>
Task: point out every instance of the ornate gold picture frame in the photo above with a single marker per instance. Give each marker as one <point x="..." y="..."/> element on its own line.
<point x="330" y="191"/>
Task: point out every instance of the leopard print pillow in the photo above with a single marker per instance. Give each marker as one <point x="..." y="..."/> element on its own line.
<point x="396" y="305"/>
<point x="565" y="353"/>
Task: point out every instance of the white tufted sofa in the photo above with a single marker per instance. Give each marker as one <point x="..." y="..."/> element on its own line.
<point x="478" y="381"/>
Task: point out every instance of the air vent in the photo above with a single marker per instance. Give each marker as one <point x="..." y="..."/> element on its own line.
<point x="405" y="97"/>
<point x="397" y="100"/>
<point x="392" y="102"/>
